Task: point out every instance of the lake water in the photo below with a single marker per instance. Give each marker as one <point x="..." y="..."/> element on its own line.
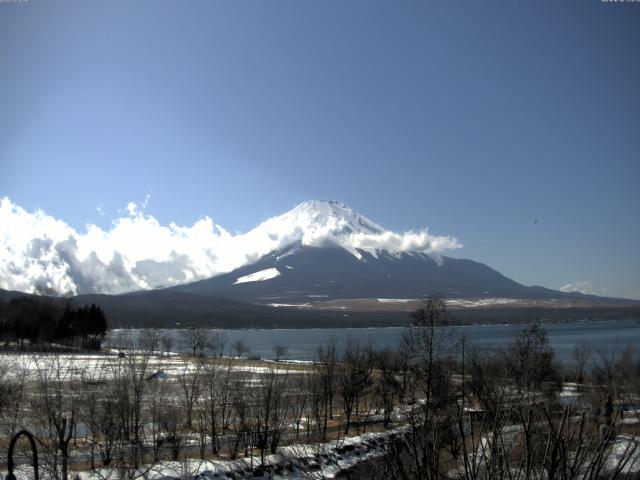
<point x="303" y="344"/>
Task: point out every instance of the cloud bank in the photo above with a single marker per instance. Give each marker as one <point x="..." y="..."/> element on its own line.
<point x="421" y="241"/>
<point x="580" y="287"/>
<point x="42" y="254"/>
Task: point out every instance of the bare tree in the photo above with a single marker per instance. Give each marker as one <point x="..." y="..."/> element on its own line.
<point x="219" y="342"/>
<point x="327" y="376"/>
<point x="13" y="378"/>
<point x="158" y="395"/>
<point x="92" y="394"/>
<point x="241" y="401"/>
<point x="581" y="354"/>
<point x="58" y="401"/>
<point x="387" y="384"/>
<point x="268" y="412"/>
<point x="240" y="348"/>
<point x="317" y="395"/>
<point x="171" y="435"/>
<point x="197" y="339"/>
<point x="190" y="386"/>
<point x="128" y="389"/>
<point x="167" y="342"/>
<point x="417" y="452"/>
<point x="225" y="390"/>
<point x="214" y="397"/>
<point x="300" y="387"/>
<point x="353" y="376"/>
<point x="149" y="339"/>
<point x="533" y="358"/>
<point x="279" y="351"/>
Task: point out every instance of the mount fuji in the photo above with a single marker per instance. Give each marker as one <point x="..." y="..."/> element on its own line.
<point x="323" y="251"/>
<point x="332" y="224"/>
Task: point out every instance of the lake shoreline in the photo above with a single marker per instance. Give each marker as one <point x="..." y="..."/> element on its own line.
<point x="455" y="322"/>
<point x="303" y="343"/>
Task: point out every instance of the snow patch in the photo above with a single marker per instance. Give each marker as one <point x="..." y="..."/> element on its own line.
<point x="395" y="300"/>
<point x="295" y="305"/>
<point x="260" y="276"/>
<point x="480" y="302"/>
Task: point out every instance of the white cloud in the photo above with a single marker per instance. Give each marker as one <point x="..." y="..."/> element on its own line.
<point x="132" y="208"/>
<point x="581" y="287"/>
<point x="39" y="253"/>
<point x="405" y="242"/>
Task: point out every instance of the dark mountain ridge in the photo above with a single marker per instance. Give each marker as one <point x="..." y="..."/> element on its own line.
<point x="307" y="273"/>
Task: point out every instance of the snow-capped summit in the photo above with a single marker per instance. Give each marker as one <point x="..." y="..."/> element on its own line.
<point x="330" y="216"/>
<point x="319" y="223"/>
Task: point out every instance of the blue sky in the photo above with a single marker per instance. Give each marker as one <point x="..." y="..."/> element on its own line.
<point x="471" y="118"/>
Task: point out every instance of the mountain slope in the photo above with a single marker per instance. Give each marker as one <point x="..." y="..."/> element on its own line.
<point x="301" y="274"/>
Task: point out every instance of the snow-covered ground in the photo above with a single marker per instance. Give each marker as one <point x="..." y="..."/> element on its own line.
<point x="295" y="305"/>
<point x="105" y="365"/>
<point x="458" y="302"/>
<point x="299" y="461"/>
<point x="396" y="300"/>
<point x="480" y="302"/>
<point x="625" y="455"/>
